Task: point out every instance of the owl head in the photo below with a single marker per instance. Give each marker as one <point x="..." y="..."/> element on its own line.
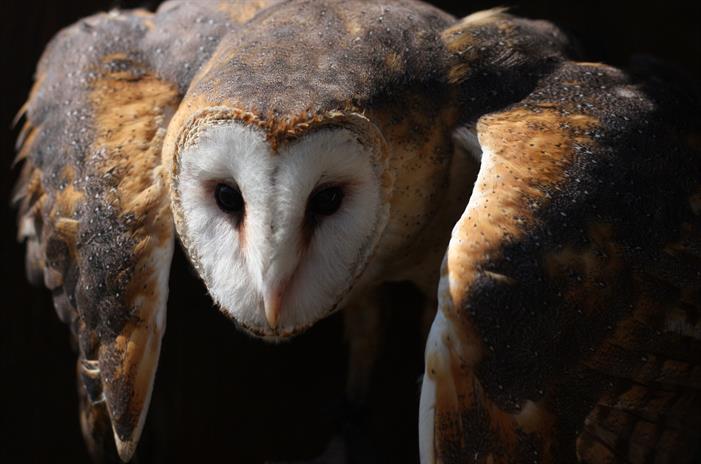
<point x="278" y="159"/>
<point x="279" y="221"/>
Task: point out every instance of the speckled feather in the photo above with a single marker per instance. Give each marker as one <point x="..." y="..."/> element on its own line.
<point x="92" y="201"/>
<point x="572" y="281"/>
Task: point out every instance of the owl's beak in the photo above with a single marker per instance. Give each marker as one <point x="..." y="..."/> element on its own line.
<point x="273" y="298"/>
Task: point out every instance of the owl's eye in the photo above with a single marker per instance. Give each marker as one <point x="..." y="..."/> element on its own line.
<point x="228" y="198"/>
<point x="326" y="201"/>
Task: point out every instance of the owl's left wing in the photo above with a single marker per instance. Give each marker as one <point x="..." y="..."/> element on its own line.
<point x="570" y="294"/>
<point x="94" y="207"/>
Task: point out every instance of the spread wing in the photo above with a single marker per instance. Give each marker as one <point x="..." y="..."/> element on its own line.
<point x="568" y="325"/>
<point x="93" y="202"/>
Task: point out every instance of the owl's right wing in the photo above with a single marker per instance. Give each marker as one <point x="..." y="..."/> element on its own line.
<point x="570" y="294"/>
<point x="93" y="201"/>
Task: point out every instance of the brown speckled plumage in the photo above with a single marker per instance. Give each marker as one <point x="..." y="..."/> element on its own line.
<point x="92" y="201"/>
<point x="574" y="285"/>
<point x="571" y="284"/>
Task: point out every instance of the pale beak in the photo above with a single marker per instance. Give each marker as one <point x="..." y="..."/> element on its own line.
<point x="273" y="299"/>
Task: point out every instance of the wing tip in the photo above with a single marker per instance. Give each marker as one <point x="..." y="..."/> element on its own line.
<point x="126" y="444"/>
<point x="128" y="418"/>
<point x="126" y="448"/>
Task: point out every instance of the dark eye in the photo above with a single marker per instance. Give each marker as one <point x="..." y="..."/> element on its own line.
<point x="229" y="198"/>
<point x="326" y="201"/>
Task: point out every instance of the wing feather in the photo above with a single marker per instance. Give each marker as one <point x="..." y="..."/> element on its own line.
<point x="568" y="323"/>
<point x="93" y="200"/>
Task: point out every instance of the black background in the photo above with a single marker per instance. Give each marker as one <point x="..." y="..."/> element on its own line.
<point x="218" y="393"/>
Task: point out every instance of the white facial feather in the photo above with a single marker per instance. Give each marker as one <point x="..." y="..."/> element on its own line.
<point x="273" y="245"/>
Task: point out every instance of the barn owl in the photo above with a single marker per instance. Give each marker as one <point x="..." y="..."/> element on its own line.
<point x="304" y="152"/>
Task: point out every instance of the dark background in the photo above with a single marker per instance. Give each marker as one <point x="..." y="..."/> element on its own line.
<point x="218" y="393"/>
